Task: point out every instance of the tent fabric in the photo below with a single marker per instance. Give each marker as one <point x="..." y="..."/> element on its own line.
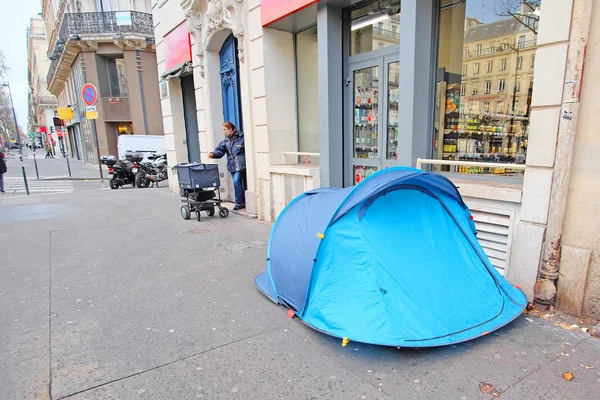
<point x="393" y="261"/>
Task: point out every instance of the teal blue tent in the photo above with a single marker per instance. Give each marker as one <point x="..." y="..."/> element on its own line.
<point x="392" y="261"/>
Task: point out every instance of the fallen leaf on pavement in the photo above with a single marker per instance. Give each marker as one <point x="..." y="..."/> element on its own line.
<point x="568" y="376"/>
<point x="488" y="388"/>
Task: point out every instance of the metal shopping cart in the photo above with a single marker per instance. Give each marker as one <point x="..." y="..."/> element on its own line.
<point x="199" y="188"/>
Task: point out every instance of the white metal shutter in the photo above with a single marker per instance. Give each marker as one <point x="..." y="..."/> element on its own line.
<point x="495" y="232"/>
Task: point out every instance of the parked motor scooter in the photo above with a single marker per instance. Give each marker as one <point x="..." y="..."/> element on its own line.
<point x="152" y="172"/>
<point x="122" y="171"/>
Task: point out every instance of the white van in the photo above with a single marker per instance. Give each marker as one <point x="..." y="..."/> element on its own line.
<point x="146" y="144"/>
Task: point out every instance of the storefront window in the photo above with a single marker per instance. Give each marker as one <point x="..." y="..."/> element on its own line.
<point x="307" y="90"/>
<point x="375" y="26"/>
<point x="366" y="111"/>
<point x="392" y="120"/>
<point x="474" y="121"/>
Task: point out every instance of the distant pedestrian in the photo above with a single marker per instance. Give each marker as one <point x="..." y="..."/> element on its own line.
<point x="233" y="147"/>
<point x="3" y="170"/>
<point x="48" y="150"/>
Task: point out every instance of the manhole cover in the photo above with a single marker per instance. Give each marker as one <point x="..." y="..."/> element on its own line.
<point x="198" y="231"/>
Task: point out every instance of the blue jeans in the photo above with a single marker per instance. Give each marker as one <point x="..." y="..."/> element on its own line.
<point x="239" y="185"/>
<point x="1" y="182"/>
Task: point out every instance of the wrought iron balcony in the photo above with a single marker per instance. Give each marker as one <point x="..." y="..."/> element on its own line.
<point x="46" y="100"/>
<point x="95" y="25"/>
<point x="387" y="34"/>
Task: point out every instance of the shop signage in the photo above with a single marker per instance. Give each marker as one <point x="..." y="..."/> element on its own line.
<point x="89" y="94"/>
<point x="274" y="10"/>
<point x="123" y="18"/>
<point x="65" y="113"/>
<point x="178" y="47"/>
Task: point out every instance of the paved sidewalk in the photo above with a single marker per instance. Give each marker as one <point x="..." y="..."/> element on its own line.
<point x="112" y="295"/>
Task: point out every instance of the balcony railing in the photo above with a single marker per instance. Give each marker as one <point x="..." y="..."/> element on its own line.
<point x="92" y="23"/>
<point x="495" y="50"/>
<point x="395" y="36"/>
<point x="49" y="100"/>
<point x="76" y="26"/>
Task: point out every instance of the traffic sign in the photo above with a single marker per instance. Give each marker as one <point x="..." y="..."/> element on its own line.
<point x="90" y="108"/>
<point x="91" y="115"/>
<point x="59" y="133"/>
<point x="89" y="94"/>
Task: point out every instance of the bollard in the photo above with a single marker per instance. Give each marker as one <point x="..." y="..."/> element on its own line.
<point x="24" y="175"/>
<point x="37" y="174"/>
<point x="68" y="165"/>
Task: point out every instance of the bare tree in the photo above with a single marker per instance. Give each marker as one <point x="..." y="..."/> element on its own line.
<point x="521" y="10"/>
<point x="7" y="122"/>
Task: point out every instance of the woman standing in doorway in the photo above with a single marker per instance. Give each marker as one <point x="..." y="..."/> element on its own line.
<point x="233" y="146"/>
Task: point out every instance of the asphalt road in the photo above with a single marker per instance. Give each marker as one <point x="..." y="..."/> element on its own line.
<point x="112" y="295"/>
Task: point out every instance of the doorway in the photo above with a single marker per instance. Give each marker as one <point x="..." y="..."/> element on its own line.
<point x="230" y="87"/>
<point x="190" y="117"/>
<point x="372" y="117"/>
<point x="372" y="53"/>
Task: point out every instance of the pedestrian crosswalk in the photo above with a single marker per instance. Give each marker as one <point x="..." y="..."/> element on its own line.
<point x="15" y="186"/>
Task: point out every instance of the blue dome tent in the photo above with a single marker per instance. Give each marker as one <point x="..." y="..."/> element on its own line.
<point x="392" y="261"/>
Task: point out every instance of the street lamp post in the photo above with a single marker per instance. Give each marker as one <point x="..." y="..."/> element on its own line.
<point x="18" y="137"/>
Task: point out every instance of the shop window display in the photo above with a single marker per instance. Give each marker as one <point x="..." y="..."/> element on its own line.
<point x="481" y="124"/>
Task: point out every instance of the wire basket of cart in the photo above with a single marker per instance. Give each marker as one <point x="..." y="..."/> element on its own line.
<point x="199" y="188"/>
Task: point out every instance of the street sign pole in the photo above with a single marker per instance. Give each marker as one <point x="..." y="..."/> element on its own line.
<point x="89" y="94"/>
<point x="95" y="132"/>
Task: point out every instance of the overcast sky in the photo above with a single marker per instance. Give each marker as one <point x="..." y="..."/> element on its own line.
<point x="13" y="43"/>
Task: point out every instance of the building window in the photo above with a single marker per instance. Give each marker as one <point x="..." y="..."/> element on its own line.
<point x="476" y="69"/>
<point x="394" y="30"/>
<point x="475" y="92"/>
<point x="500" y="107"/>
<point x="503" y="64"/>
<point x="501" y="84"/>
<point x="520" y="62"/>
<point x="463" y="89"/>
<point x="518" y="87"/>
<point x="532" y="60"/>
<point x="478" y="50"/>
<point x="490" y="67"/>
<point x="307" y="90"/>
<point x="492" y="48"/>
<point x="466" y="55"/>
<point x="516" y="107"/>
<point x="521" y="43"/>
<point x="117" y="77"/>
<point x="486" y="107"/>
<point x="488" y="87"/>
<point x="464" y="70"/>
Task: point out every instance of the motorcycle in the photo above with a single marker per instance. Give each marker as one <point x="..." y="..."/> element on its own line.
<point x="152" y="172"/>
<point x="123" y="171"/>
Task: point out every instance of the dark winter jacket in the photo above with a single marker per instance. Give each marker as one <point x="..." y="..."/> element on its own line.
<point x="235" y="150"/>
<point x="3" y="168"/>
